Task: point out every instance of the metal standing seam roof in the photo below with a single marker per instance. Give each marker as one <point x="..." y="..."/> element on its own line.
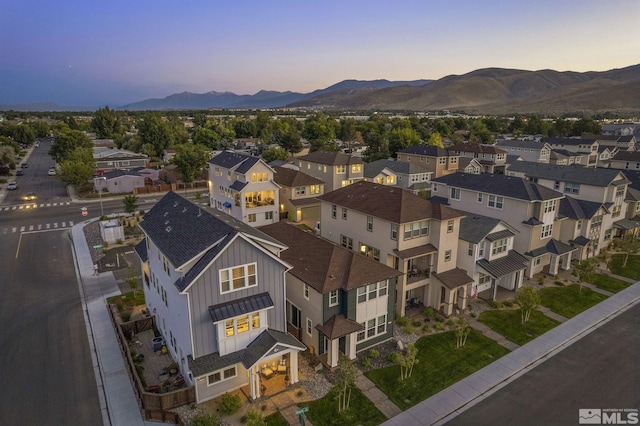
<point x="504" y="266"/>
<point x="498" y="235"/>
<point x="240" y="306"/>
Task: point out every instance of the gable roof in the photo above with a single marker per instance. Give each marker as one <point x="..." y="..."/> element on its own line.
<point x="231" y="159"/>
<point x="427" y="150"/>
<point x="506" y="186"/>
<point x="477" y="147"/>
<point x="474" y="227"/>
<point x="627" y="156"/>
<point x="323" y="265"/>
<point x="575" y="173"/>
<point x="338" y="326"/>
<point x="528" y="144"/>
<point x="183" y="230"/>
<point x="291" y="178"/>
<point x="569" y="141"/>
<point x="389" y="203"/>
<point x="375" y="167"/>
<point x="333" y="158"/>
<point x="116" y="173"/>
<point x="578" y="209"/>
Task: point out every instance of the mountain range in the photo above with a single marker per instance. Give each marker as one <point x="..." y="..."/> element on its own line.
<point x="496" y="91"/>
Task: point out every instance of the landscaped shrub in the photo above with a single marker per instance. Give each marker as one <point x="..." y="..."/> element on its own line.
<point x="416" y="323"/>
<point x="451" y="322"/>
<point x="559" y="283"/>
<point x="230" y="403"/>
<point x="439" y="318"/>
<point x="439" y="326"/>
<point x="394" y="357"/>
<point x="409" y="329"/>
<point x="496" y="305"/>
<point x="205" y="419"/>
<point x="508" y="303"/>
<point x="402" y="321"/>
<point x="426" y="328"/>
<point x="366" y="362"/>
<point x="125" y="316"/>
<point x="373" y="354"/>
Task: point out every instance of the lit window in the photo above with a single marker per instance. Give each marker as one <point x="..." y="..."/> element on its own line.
<point x="356" y="168"/>
<point x="252" y="217"/>
<point x="243" y="324"/>
<point x="314" y="189"/>
<point x="237" y="278"/>
<point x="341" y="169"/>
<point x="255" y="320"/>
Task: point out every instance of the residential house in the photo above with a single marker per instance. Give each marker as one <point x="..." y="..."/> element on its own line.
<point x="410" y="176"/>
<point x="622" y="143"/>
<point x="486" y="253"/>
<point x="108" y="159"/>
<point x="528" y="150"/>
<point x="470" y="165"/>
<point x="625" y="160"/>
<point x="528" y="207"/>
<point x="492" y="158"/>
<point x="242" y="186"/>
<point x="438" y="161"/>
<point x="606" y="187"/>
<point x="216" y="289"/>
<point x="587" y="149"/>
<point x="582" y="225"/>
<point x="118" y="181"/>
<point x="406" y="232"/>
<point x="338" y="301"/>
<point x="335" y="169"/>
<point x="621" y="129"/>
<point x="562" y="157"/>
<point x="298" y="192"/>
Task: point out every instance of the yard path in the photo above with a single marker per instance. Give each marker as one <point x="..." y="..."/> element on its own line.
<point x="499" y="338"/>
<point x="548" y="312"/>
<point x="287" y="407"/>
<point x="379" y="399"/>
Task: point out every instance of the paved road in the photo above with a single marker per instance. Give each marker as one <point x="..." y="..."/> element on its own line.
<point x="601" y="370"/>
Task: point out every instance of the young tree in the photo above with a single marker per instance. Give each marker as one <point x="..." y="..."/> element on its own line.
<point x="585" y="271"/>
<point x="408" y="359"/>
<point x="132" y="280"/>
<point x="347" y="374"/>
<point x="130" y="203"/>
<point x="629" y="246"/>
<point x="255" y="418"/>
<point x="462" y="332"/>
<point x="529" y="299"/>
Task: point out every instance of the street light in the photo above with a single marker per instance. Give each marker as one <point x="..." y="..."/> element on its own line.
<point x="101" y="178"/>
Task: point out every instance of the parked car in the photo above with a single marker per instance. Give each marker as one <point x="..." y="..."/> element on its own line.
<point x="52" y="172"/>
<point x="12" y="185"/>
<point x="29" y="196"/>
<point x="19" y="173"/>
<point x="24" y="165"/>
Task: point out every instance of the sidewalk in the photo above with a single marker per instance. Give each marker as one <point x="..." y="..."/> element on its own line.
<point x="117" y="400"/>
<point x="462" y="395"/>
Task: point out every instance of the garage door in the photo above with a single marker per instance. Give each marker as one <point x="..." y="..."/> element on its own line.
<point x="309" y="213"/>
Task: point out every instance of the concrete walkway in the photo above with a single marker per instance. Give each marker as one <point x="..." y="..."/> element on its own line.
<point x="462" y="395"/>
<point x="493" y="335"/>
<point x="548" y="312"/>
<point x="117" y="400"/>
<point x="375" y="395"/>
<point x="287" y="407"/>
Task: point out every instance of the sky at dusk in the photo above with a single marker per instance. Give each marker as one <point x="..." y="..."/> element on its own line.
<point x="94" y="53"/>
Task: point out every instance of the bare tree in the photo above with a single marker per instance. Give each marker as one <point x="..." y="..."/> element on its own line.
<point x="462" y="332"/>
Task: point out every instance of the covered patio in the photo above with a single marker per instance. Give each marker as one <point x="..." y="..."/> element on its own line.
<point x="506" y="272"/>
<point x="340" y="337"/>
<point x="454" y="290"/>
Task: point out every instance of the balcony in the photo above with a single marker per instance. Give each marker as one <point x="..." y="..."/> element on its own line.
<point x="416" y="274"/>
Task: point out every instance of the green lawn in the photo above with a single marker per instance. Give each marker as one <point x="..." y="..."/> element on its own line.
<point x="361" y="411"/>
<point x="509" y="324"/>
<point x="440" y="365"/>
<point x="632" y="270"/>
<point x="569" y="301"/>
<point x="609" y="283"/>
<point x="276" y="419"/>
<point x="126" y="298"/>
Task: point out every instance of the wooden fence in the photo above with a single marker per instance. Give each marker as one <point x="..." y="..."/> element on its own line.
<point x="154" y="406"/>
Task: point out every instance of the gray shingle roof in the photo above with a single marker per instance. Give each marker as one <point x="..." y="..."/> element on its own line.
<point x="231" y="159"/>
<point x="627" y="156"/>
<point x="474" y="227"/>
<point x="528" y="144"/>
<point x="285" y="176"/>
<point x="372" y="169"/>
<point x="141" y="250"/>
<point x="581" y="241"/>
<point x="454" y="278"/>
<point x="504" y="266"/>
<point x="553" y="247"/>
<point x="578" y="209"/>
<point x="240" y="306"/>
<point x="502" y="185"/>
<point x="331" y="158"/>
<point x="569" y="141"/>
<point x="338" y="326"/>
<point x="427" y="150"/>
<point x="573" y="173"/>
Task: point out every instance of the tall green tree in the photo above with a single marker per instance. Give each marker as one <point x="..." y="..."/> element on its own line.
<point x="401" y="138"/>
<point x="24" y="134"/>
<point x="40" y="128"/>
<point x="319" y="130"/>
<point x="435" y="140"/>
<point x="77" y="167"/>
<point x="7" y="155"/>
<point x="377" y="146"/>
<point x="288" y="137"/>
<point x="189" y="160"/>
<point x="66" y="142"/>
<point x="155" y="132"/>
<point x="106" y="123"/>
<point x="130" y="203"/>
<point x="275" y="153"/>
<point x="206" y="137"/>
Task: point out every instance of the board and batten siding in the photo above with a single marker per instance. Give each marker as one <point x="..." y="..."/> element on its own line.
<point x="205" y="292"/>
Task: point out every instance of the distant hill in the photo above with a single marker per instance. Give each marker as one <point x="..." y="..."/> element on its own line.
<point x="501" y="91"/>
<point x="44" y="106"/>
<point x="262" y="99"/>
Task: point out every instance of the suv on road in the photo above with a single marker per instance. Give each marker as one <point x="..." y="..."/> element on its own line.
<point x="52" y="172"/>
<point x="12" y="185"/>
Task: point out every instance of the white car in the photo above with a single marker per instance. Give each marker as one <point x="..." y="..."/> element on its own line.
<point x="12" y="185"/>
<point x="52" y="172"/>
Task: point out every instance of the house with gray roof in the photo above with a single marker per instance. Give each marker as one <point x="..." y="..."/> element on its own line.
<point x="528" y="150"/>
<point x="413" y="235"/>
<point x="486" y="253"/>
<point x="410" y="176"/>
<point x="469" y="165"/>
<point x="528" y="207"/>
<point x="625" y="160"/>
<point x="216" y="288"/>
<point x="335" y="169"/>
<point x="586" y="148"/>
<point x="108" y="159"/>
<point x="493" y="159"/>
<point x="604" y="186"/>
<point x="242" y="186"/>
<point x="438" y="161"/>
<point x="298" y="194"/>
<point x="338" y="300"/>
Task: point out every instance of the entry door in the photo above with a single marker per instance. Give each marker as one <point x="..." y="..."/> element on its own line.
<point x="342" y="345"/>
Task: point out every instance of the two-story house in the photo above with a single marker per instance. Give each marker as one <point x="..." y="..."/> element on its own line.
<point x="406" y="232"/>
<point x="338" y="301"/>
<point x="242" y="186"/>
<point x="492" y="158"/>
<point x="410" y="176"/>
<point x="469" y="165"/>
<point x="602" y="186"/>
<point x="528" y="150"/>
<point x="298" y="192"/>
<point x="486" y="253"/>
<point x="438" y="161"/>
<point x="335" y="169"/>
<point x="216" y="289"/>
<point x="587" y="149"/>
<point x="625" y="160"/>
<point x="528" y="207"/>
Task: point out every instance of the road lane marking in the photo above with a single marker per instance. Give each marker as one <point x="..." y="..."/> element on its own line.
<point x="48" y="226"/>
<point x="22" y="229"/>
<point x="31" y="228"/>
<point x="39" y="226"/>
<point x="55" y="225"/>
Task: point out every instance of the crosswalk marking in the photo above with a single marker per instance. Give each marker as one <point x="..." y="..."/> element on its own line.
<point x="22" y="229"/>
<point x="33" y="206"/>
<point x="42" y="227"/>
<point x="39" y="227"/>
<point x="48" y="226"/>
<point x="31" y="228"/>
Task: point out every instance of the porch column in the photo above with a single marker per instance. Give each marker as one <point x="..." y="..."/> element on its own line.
<point x="553" y="265"/>
<point x="255" y="393"/>
<point x="566" y="261"/>
<point x="465" y="296"/>
<point x="293" y="368"/>
<point x="334" y="353"/>
<point x="351" y="345"/>
<point x="494" y="289"/>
